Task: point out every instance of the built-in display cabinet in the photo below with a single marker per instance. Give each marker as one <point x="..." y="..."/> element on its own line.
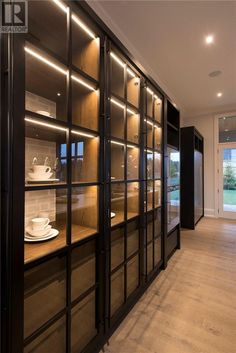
<point x="86" y="212"/>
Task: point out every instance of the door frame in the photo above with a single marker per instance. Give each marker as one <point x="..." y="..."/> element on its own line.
<point x="222" y="213"/>
<point x="216" y="158"/>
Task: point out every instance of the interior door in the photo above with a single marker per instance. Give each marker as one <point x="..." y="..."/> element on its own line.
<point x="227" y="180"/>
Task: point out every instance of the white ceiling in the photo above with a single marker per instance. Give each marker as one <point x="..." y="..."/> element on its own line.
<point x="167" y="38"/>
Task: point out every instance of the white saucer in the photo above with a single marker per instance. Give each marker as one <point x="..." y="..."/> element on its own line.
<point x="39" y="233"/>
<point x="51" y="235"/>
<point x="29" y="180"/>
<point x="113" y="214"/>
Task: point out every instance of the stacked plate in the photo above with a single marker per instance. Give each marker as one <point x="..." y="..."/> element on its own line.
<point x="40" y="235"/>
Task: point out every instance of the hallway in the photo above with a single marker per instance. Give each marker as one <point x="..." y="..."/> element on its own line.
<point x="191" y="307"/>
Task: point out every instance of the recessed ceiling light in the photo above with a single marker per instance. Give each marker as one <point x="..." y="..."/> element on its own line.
<point x="219" y="94"/>
<point x="224" y="117"/>
<point x="58" y="94"/>
<point x="226" y="130"/>
<point x="215" y="73"/>
<point x="209" y="39"/>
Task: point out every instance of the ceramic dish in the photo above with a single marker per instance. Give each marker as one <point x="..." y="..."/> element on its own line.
<point x="39" y="233"/>
<point x="113" y="214"/>
<point x="51" y="235"/>
<point x="42" y="180"/>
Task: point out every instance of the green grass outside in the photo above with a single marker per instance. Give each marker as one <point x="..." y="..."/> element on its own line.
<point x="230" y="197"/>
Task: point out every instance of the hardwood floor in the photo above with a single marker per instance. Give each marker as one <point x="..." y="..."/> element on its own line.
<point x="191" y="307"/>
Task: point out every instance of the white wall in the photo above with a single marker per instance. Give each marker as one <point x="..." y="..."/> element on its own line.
<point x="205" y="125"/>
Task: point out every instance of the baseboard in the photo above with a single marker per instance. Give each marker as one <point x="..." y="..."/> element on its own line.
<point x="209" y="212"/>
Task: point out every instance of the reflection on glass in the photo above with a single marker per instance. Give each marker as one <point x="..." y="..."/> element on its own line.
<point x="117" y="291"/>
<point x="132" y="162"/>
<point x="157" y="223"/>
<point x="85" y="48"/>
<point x="149" y="102"/>
<point x="149" y="127"/>
<point x="157" y="251"/>
<point x="45" y="84"/>
<point x="149" y="195"/>
<point x="157" y="193"/>
<point x="133" y="86"/>
<point x="149" y="258"/>
<point x="83" y="269"/>
<point x="51" y="340"/>
<point x="157" y="137"/>
<point x="149" y="161"/>
<point x="117" y="161"/>
<point x="132" y="275"/>
<point x="45" y="284"/>
<point x="117" y="119"/>
<point x="132" y="199"/>
<point x="133" y="126"/>
<point x="45" y="153"/>
<point x="173" y="171"/>
<point x="84" y="155"/>
<point x="41" y="17"/>
<point x="83" y="326"/>
<point x="117" y="203"/>
<point x="117" y="247"/>
<point x="173" y="208"/>
<point x="157" y="165"/>
<point x="157" y="109"/>
<point x="132" y="238"/>
<point x="85" y="103"/>
<point x="84" y="203"/>
<point x="45" y="221"/>
<point x="117" y="75"/>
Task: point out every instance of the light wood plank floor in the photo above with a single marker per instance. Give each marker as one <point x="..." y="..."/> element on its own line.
<point x="191" y="307"/>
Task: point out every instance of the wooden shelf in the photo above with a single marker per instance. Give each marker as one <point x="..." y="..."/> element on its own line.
<point x="79" y="232"/>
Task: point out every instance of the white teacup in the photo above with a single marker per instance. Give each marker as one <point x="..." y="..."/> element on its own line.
<point x="41" y="169"/>
<point x="39" y="223"/>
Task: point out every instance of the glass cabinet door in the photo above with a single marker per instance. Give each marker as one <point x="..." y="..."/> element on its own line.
<point x="62" y="178"/>
<point x="173" y="194"/>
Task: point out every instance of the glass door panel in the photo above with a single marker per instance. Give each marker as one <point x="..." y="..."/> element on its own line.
<point x="117" y="247"/>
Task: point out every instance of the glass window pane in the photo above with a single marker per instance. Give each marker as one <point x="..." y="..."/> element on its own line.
<point x="84" y="212"/>
<point x="83" y="263"/>
<point x="132" y="200"/>
<point x="149" y="258"/>
<point x="157" y="137"/>
<point x="44" y="284"/>
<point x="157" y="193"/>
<point x="83" y="323"/>
<point x="173" y="209"/>
<point x="117" y="119"/>
<point x="157" y="222"/>
<point x="85" y="103"/>
<point x="117" y="77"/>
<point x="85" y="159"/>
<point x="117" y="247"/>
<point x="117" y="290"/>
<point x="132" y="162"/>
<point x="149" y="127"/>
<point x="157" y="251"/>
<point x="53" y="340"/>
<point x="132" y="275"/>
<point x="132" y="238"/>
<point x="227" y="128"/>
<point x="117" y="161"/>
<point x="149" y="195"/>
<point x="133" y="121"/>
<point x="149" y="227"/>
<point x="85" y="48"/>
<point x="45" y="84"/>
<point x="117" y="203"/>
<point x="157" y="165"/>
<point x="157" y="109"/>
<point x="45" y="222"/>
<point x="149" y="103"/>
<point x="133" y="86"/>
<point x="149" y="161"/>
<point x="45" y="154"/>
<point x="41" y="16"/>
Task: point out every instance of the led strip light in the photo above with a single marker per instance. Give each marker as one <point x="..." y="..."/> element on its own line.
<point x="83" y="134"/>
<point x="51" y="126"/>
<point x="83" y="83"/>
